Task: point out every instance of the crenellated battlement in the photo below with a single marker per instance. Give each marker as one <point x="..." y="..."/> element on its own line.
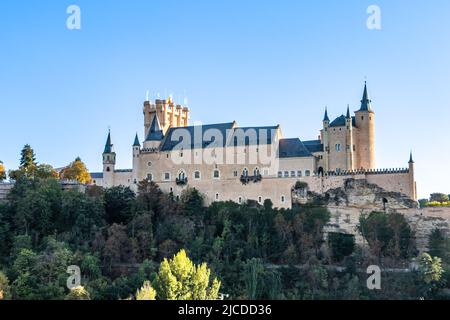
<point x="368" y="172"/>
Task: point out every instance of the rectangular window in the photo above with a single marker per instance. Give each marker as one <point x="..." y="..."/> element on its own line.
<point x="299" y="173"/>
<point x="280" y="174"/>
<point x="292" y="174"/>
<point x="286" y="174"/>
<point x="167" y="176"/>
<point x="307" y="173"/>
<point x="150" y="177"/>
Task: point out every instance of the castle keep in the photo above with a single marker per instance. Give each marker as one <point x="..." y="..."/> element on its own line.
<point x="228" y="162"/>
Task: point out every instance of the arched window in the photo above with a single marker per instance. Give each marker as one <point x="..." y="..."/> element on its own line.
<point x="283" y="199"/>
<point x="181" y="174"/>
<point x="108" y="169"/>
<point x="245" y="172"/>
<point x="216" y="174"/>
<point x="338" y="147"/>
<point x="299" y="173"/>
<point x="256" y="172"/>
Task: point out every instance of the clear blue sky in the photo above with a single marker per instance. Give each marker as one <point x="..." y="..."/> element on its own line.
<point x="257" y="62"/>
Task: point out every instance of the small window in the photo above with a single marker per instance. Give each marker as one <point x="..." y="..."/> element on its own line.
<point x="167" y="176"/>
<point x="307" y="173"/>
<point x="197" y="175"/>
<point x="108" y="169"/>
<point x="150" y="177"/>
<point x="235" y="173"/>
<point x="171" y="189"/>
<point x="338" y="147"/>
<point x="280" y="174"/>
<point x="362" y="118"/>
<point x="95" y="182"/>
<point x="177" y="197"/>
<point x="245" y="172"/>
<point x="299" y="173"/>
<point x="259" y="199"/>
<point x="240" y="200"/>
<point x="286" y="174"/>
<point x="354" y="148"/>
<point x="216" y="174"/>
<point x="256" y="172"/>
<point x="283" y="199"/>
<point x="217" y="197"/>
<point x="292" y="174"/>
<point x="149" y="164"/>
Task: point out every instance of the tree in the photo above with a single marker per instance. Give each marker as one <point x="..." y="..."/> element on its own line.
<point x="439" y="197"/>
<point x="180" y="279"/>
<point x="431" y="272"/>
<point x="28" y="160"/>
<point x="76" y="171"/>
<point x="439" y="245"/>
<point x="146" y="292"/>
<point x="119" y="203"/>
<point x="387" y="234"/>
<point x="5" y="290"/>
<point x="78" y="293"/>
<point x="45" y="171"/>
<point x="342" y="245"/>
<point x="2" y="172"/>
<point x="118" y="247"/>
<point x="253" y="277"/>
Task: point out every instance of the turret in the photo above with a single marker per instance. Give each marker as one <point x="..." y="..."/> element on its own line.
<point x="365" y="122"/>
<point x="136" y="156"/>
<point x="349" y="140"/>
<point x="412" y="178"/>
<point x="109" y="162"/>
<point x="325" y="140"/>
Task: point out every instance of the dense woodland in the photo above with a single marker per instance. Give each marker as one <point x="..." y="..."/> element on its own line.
<point x="120" y="240"/>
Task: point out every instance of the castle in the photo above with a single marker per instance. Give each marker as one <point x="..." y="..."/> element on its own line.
<point x="228" y="162"/>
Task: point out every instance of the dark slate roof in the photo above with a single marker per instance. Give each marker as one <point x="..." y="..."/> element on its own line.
<point x="108" y="144"/>
<point x="155" y="133"/>
<point x="136" y="141"/>
<point x="175" y="136"/>
<point x="325" y="117"/>
<point x="313" y="145"/>
<point x="123" y="170"/>
<point x="96" y="175"/>
<point x="341" y="121"/>
<point x="366" y="102"/>
<point x="253" y="135"/>
<point x="293" y="148"/>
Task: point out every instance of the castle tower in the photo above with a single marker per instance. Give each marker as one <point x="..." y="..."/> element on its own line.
<point x="169" y="114"/>
<point x="365" y="122"/>
<point x="136" y="155"/>
<point x="155" y="134"/>
<point x="109" y="162"/>
<point x="325" y="140"/>
<point x="411" y="177"/>
<point x="349" y="139"/>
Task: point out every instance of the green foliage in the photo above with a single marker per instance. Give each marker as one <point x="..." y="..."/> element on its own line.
<point x="119" y="204"/>
<point x="5" y="290"/>
<point x="341" y="245"/>
<point x="388" y="235"/>
<point x="180" y="279"/>
<point x="78" y="293"/>
<point x="439" y="197"/>
<point x="146" y="292"/>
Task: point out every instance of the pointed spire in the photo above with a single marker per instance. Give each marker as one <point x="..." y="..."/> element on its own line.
<point x="108" y="144"/>
<point x="326" y="118"/>
<point x="348" y="112"/>
<point x="155" y="132"/>
<point x="411" y="158"/>
<point x="366" y="102"/>
<point x="136" y="141"/>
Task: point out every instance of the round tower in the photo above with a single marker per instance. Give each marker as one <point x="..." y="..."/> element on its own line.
<point x="365" y="122"/>
<point x="349" y="140"/>
<point x="109" y="163"/>
<point x="136" y="162"/>
<point x="325" y="140"/>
